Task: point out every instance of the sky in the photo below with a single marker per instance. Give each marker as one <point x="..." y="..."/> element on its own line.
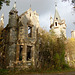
<point x="45" y="9"/>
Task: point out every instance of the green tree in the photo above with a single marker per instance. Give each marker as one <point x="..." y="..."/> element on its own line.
<point x="4" y="1"/>
<point x="72" y="2"/>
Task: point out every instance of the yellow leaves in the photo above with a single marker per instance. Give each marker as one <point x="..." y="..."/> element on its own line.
<point x="70" y="44"/>
<point x="72" y="39"/>
<point x="70" y="50"/>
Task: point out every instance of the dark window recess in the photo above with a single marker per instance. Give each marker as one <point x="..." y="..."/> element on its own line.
<point x="30" y="14"/>
<point x="11" y="13"/>
<point x="20" y="53"/>
<point x="29" y="52"/>
<point x="29" y="31"/>
<point x="0" y="40"/>
<point x="56" y="18"/>
<point x="55" y="23"/>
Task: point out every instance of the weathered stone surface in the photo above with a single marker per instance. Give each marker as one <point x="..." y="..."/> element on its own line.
<point x="16" y="39"/>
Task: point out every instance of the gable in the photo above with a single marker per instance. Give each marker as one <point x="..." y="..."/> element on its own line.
<point x="30" y="17"/>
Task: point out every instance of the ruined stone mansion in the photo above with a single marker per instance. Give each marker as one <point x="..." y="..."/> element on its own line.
<point x="19" y="38"/>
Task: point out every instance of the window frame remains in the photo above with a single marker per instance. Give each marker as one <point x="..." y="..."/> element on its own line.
<point x="29" y="31"/>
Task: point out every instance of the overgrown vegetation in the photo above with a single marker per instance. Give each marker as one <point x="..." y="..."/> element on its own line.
<point x="32" y="71"/>
<point x="70" y="51"/>
<point x="52" y="51"/>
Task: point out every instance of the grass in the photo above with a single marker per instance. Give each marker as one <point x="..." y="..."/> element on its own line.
<point x="33" y="71"/>
<point x="3" y="72"/>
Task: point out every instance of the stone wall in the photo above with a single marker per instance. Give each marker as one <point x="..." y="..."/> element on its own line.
<point x="17" y="40"/>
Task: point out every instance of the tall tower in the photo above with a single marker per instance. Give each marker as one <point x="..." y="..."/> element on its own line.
<point x="12" y="35"/>
<point x="57" y="24"/>
<point x="13" y="16"/>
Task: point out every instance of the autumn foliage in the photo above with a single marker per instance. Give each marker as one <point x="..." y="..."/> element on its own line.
<point x="70" y="51"/>
<point x="51" y="51"/>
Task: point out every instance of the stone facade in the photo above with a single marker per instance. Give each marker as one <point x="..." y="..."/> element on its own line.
<point x="19" y="38"/>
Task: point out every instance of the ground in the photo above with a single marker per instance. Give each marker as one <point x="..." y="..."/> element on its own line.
<point x="51" y="73"/>
<point x="67" y="73"/>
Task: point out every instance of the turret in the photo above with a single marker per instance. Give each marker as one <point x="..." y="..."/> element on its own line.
<point x="13" y="16"/>
<point x="12" y="35"/>
<point x="57" y="24"/>
<point x="56" y="16"/>
<point x="51" y="20"/>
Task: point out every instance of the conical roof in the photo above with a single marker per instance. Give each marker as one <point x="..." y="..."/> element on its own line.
<point x="14" y="8"/>
<point x="57" y="16"/>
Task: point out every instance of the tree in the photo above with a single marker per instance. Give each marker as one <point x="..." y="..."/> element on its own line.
<point x="51" y="51"/>
<point x="4" y="1"/>
<point x="73" y="3"/>
<point x="70" y="51"/>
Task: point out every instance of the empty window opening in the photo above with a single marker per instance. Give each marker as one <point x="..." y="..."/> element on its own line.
<point x="29" y="31"/>
<point x="55" y="23"/>
<point x="29" y="52"/>
<point x="20" y="53"/>
<point x="30" y="14"/>
<point x="0" y="40"/>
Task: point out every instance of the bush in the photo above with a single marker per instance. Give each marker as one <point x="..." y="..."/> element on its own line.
<point x="51" y="51"/>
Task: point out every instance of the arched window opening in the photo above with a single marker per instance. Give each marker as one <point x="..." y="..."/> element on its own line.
<point x="55" y="23"/>
<point x="29" y="31"/>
